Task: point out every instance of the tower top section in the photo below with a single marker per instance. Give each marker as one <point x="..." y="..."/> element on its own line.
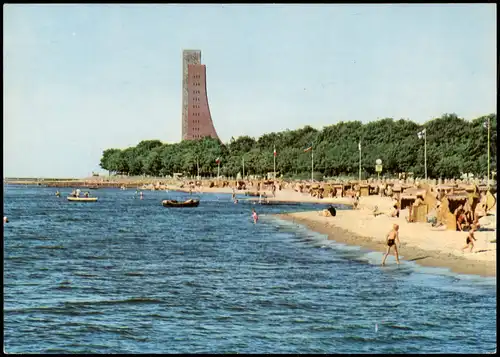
<point x="192" y="56"/>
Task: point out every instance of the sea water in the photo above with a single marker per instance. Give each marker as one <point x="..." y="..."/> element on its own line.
<point x="125" y="275"/>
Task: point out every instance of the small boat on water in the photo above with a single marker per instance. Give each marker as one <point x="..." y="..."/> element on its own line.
<point x="82" y="199"/>
<point x="174" y="203"/>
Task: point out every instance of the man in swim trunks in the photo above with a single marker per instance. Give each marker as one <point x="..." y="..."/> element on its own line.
<point x="391" y="239"/>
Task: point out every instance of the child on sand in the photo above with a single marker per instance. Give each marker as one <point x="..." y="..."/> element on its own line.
<point x="470" y="238"/>
<point x="254" y="216"/>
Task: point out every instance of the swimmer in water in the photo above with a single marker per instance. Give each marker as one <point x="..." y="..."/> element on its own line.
<point x="254" y="216"/>
<point x="391" y="239"/>
<point x="140" y="194"/>
<point x="235" y="201"/>
<point x="5" y="219"/>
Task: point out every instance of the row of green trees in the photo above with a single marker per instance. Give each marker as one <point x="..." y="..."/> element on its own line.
<point x="454" y="146"/>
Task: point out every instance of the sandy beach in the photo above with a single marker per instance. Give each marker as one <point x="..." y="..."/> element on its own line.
<point x="289" y="195"/>
<point x="420" y="242"/>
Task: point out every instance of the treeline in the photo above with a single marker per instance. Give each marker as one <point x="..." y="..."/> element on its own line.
<point x="454" y="146"/>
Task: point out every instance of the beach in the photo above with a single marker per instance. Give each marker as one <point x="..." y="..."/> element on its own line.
<point x="420" y="242"/>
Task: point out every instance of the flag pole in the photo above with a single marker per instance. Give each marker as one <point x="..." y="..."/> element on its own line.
<point x="243" y="161"/>
<point x="425" y="153"/>
<point x="312" y="164"/>
<point x="218" y="170"/>
<point x="274" y="157"/>
<point x="488" y="153"/>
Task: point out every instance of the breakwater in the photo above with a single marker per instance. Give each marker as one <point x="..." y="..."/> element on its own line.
<point x="72" y="183"/>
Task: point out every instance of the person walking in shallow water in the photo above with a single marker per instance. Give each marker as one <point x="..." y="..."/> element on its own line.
<point x="254" y="216"/>
<point x="392" y="239"/>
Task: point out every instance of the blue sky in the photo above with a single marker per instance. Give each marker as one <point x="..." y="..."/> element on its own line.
<point x="79" y="79"/>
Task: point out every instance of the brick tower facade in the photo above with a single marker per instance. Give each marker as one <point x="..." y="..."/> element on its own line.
<point x="196" y="119"/>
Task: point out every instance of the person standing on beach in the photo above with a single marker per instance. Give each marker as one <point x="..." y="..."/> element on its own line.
<point x="355" y="203"/>
<point x="254" y="216"/>
<point x="392" y="239"/>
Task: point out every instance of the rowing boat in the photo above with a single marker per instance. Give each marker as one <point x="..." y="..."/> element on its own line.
<point x="82" y="199"/>
<point x="174" y="203"/>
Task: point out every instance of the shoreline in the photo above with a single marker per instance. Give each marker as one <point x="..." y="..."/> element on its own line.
<point x="420" y="242"/>
<point x="408" y="252"/>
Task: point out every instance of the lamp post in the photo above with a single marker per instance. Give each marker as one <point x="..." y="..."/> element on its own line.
<point x="217" y="161"/>
<point x="312" y="165"/>
<point x="359" y="147"/>
<point x="274" y="161"/>
<point x="198" y="168"/>
<point x="423" y="134"/>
